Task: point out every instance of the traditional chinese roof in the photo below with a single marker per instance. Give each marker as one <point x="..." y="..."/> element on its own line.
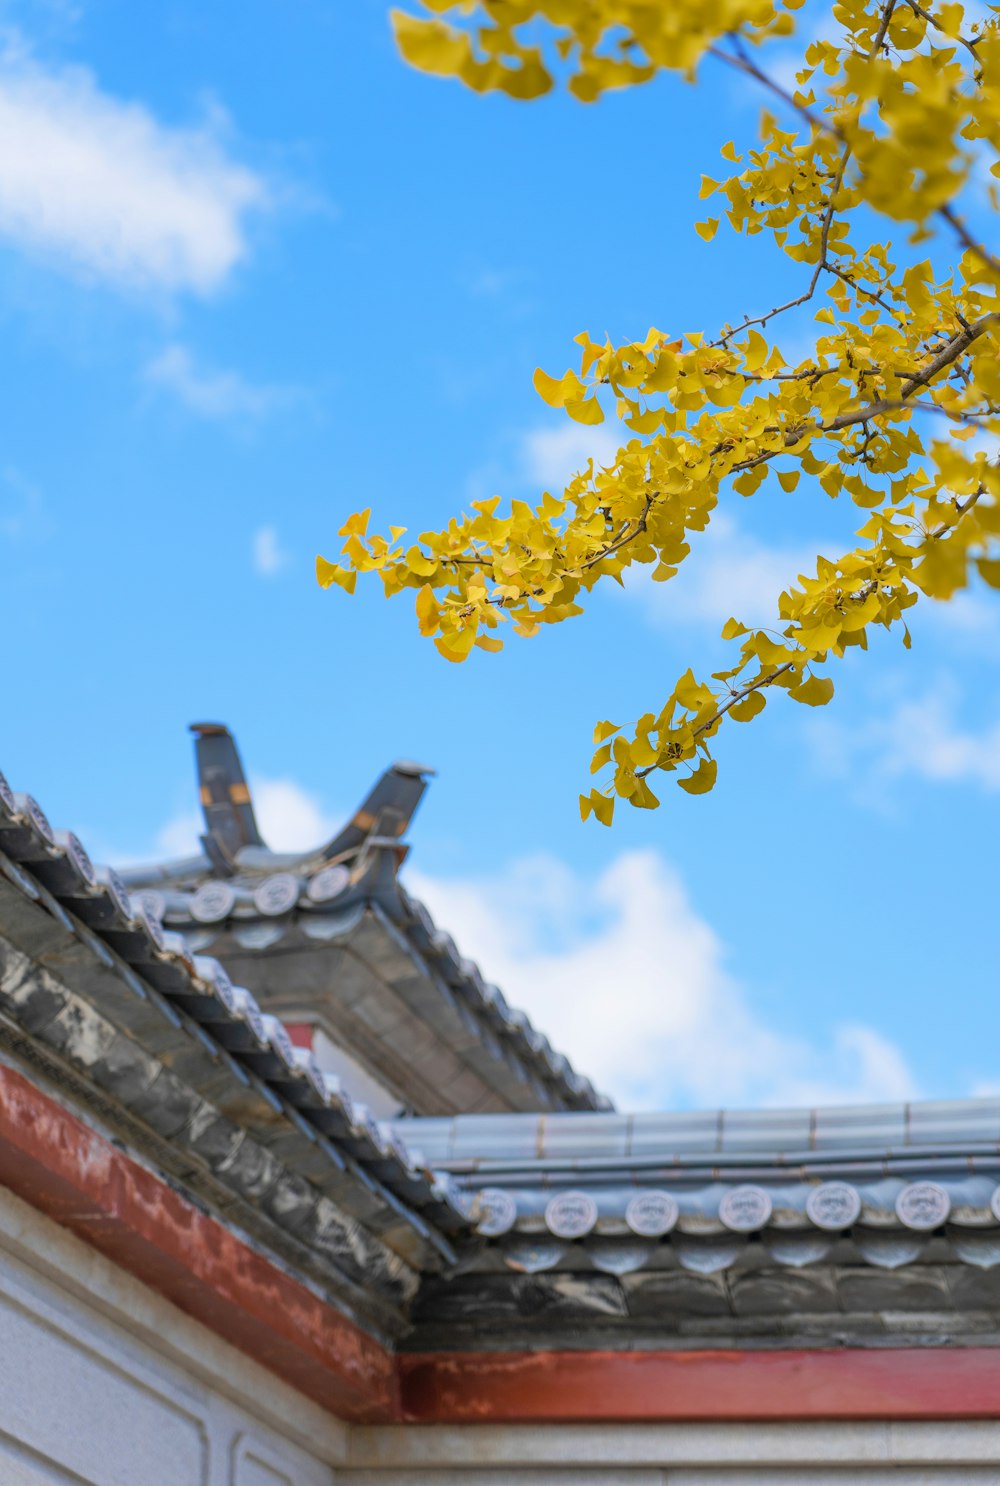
<point x="332" y="936"/>
<point x="161" y="1048"/>
<point x="865" y="1222"/>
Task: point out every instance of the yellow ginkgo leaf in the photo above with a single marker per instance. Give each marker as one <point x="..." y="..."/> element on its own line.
<point x="815" y="692"/>
<point x="557" y="391"/>
<point x="428" y="613"/>
<point x="328" y="573"/>
<point x="587" y="410"/>
<point x="703" y="778"/>
<point x="749" y="707"/>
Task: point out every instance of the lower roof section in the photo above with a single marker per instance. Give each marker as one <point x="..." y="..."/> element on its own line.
<point x="862" y="1226"/>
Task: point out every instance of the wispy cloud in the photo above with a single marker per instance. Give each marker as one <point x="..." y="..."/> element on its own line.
<point x="289" y="817"/>
<point x="918" y="738"/>
<point x="269" y="557"/>
<point x="728" y="572"/>
<point x="209" y="392"/>
<point x="550" y="457"/>
<point x="98" y="184"/>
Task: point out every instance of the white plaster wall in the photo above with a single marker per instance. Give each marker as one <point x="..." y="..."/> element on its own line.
<point x="103" y="1383"/>
<point x="916" y="1454"/>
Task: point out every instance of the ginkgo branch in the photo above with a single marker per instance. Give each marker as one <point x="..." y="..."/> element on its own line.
<point x="882" y="133"/>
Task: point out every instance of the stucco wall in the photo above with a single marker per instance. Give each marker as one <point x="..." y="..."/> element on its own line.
<point x="104" y="1383"/>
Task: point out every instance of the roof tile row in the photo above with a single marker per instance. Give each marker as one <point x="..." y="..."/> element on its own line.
<point x="53" y="867"/>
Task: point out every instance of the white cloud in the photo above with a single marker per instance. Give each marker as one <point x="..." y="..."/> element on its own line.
<point x="728" y="572"/>
<point x="626" y="977"/>
<point x="552" y="456"/>
<point x="178" y="838"/>
<point x="212" y="394"/>
<point x="269" y="557"/>
<point x="289" y="817"/>
<point x="97" y="183"/>
<point x="918" y="738"/>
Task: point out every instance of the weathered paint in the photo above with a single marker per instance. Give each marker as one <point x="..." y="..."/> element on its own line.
<point x="61" y="1166"/>
<point x="604" y="1387"/>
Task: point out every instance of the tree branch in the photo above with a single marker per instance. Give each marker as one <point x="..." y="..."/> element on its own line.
<point x="983" y="254"/>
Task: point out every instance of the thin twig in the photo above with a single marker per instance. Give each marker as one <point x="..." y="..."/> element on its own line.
<point x="955" y="222"/>
<point x="931" y="20"/>
<point x="743" y="64"/>
<point x="622" y="540"/>
<point x="717" y="716"/>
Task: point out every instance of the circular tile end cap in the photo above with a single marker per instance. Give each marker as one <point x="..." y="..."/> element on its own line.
<point x="277" y="895"/>
<point x="328" y="883"/>
<point x="570" y="1214"/>
<point x="33" y="813"/>
<point x="150" y="918"/>
<point x="923" y="1206"/>
<point x="78" y="855"/>
<point x="498" y="1212"/>
<point x="652" y="1214"/>
<point x="833" y="1206"/>
<point x="113" y="885"/>
<point x="744" y="1209"/>
<point x="213" y="902"/>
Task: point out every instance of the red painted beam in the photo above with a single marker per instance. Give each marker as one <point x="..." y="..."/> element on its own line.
<point x="612" y="1387"/>
<point x="54" y="1161"/>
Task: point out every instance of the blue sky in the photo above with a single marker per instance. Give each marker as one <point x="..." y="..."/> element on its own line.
<point x="254" y="274"/>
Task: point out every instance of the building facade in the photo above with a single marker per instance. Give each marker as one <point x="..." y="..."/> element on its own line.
<point x="290" y="1194"/>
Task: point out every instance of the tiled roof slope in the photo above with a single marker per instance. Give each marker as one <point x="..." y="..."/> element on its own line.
<point x="333" y="933"/>
<point x="160" y="1045"/>
<point x="865" y="1223"/>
